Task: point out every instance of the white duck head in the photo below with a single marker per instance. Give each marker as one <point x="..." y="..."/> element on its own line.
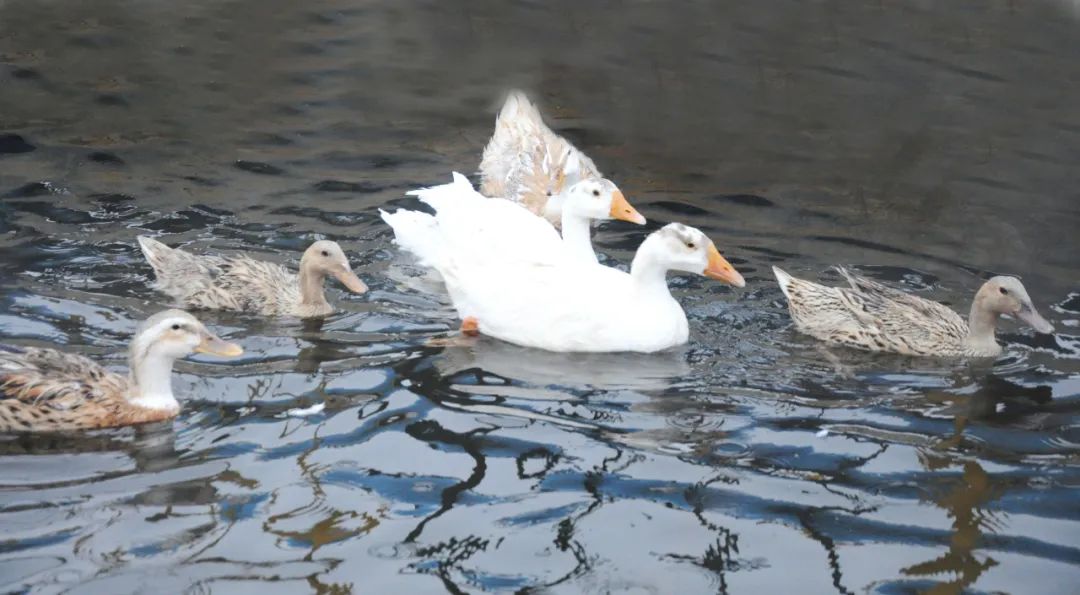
<point x="586" y="201"/>
<point x="678" y="247"/>
<point x="599" y="199"/>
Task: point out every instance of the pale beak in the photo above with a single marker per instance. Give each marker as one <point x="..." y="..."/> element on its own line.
<point x="1029" y="315"/>
<point x="350" y="280"/>
<point x="621" y="210"/>
<point x="721" y="270"/>
<point x="215" y="346"/>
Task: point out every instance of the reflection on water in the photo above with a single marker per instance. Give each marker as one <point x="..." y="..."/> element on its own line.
<point x="542" y="368"/>
<point x="965" y="504"/>
<point x="923" y="143"/>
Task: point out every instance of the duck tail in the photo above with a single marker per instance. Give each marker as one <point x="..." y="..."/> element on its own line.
<point x="439" y="197"/>
<point x="850" y="277"/>
<point x="512" y="107"/>
<point x="517" y="109"/>
<point x="783" y="279"/>
<point x="156" y="253"/>
<point x="417" y="233"/>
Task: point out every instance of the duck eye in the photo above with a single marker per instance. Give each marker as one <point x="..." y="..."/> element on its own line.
<point x="596" y="193"/>
<point x="690" y="245"/>
<point x="176" y="327"/>
<point x="325" y="253"/>
<point x="1003" y="291"/>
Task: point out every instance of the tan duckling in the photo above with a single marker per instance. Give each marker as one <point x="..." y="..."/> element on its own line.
<point x="45" y="390"/>
<point x="874" y="317"/>
<point x="243" y="284"/>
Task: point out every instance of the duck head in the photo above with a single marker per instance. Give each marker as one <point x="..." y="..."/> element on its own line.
<point x="600" y="199"/>
<point x="161" y="340"/>
<point x="174" y="334"/>
<point x="683" y="248"/>
<point x="1005" y="295"/>
<point x="327" y="258"/>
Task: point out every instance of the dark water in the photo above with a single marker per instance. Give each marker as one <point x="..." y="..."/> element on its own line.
<point x="931" y="143"/>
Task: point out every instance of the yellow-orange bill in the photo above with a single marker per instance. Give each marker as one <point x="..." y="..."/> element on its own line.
<point x="351" y="281"/>
<point x="721" y="270"/>
<point x="215" y="346"/>
<point x="621" y="209"/>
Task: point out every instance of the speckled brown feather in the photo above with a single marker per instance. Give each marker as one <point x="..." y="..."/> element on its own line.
<point x="239" y="284"/>
<point x="525" y="161"/>
<point x="45" y="390"/>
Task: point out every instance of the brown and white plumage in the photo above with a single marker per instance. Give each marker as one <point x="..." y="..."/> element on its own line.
<point x="243" y="284"/>
<point x="45" y="389"/>
<point x="871" y="316"/>
<point x="527" y="162"/>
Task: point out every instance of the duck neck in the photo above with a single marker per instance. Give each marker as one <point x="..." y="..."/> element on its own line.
<point x="311" y="287"/>
<point x="648" y="274"/>
<point x="151" y="383"/>
<point x="982" y="324"/>
<point x="576" y="234"/>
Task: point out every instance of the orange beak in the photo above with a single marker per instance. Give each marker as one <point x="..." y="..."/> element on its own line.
<point x="621" y="210"/>
<point x="721" y="270"/>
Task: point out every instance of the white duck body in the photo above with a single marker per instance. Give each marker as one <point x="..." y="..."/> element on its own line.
<point x="544" y="300"/>
<point x="606" y="309"/>
<point x="476" y="227"/>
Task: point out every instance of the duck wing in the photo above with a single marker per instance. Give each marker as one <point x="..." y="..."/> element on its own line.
<point x="828" y="313"/>
<point x="477" y="229"/>
<point x="553" y="307"/>
<point x="917" y="319"/>
<point x="249" y="285"/>
<point x="510" y="151"/>
<point x="180" y="274"/>
<point x="527" y="162"/>
<point x="237" y="283"/>
<point x="54" y="379"/>
<point x="869" y="315"/>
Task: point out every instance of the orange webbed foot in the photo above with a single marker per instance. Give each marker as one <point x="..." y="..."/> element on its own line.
<point x="470" y="326"/>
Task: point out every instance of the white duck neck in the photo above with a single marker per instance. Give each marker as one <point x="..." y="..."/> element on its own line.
<point x="151" y="382"/>
<point x="576" y="235"/>
<point x="649" y="273"/>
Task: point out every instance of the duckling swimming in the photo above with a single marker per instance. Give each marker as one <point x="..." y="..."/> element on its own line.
<point x="874" y="317"/>
<point x="45" y="390"/>
<point x="243" y="284"/>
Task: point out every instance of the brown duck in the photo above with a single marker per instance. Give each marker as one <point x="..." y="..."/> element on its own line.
<point x="243" y="284"/>
<point x="871" y="316"/>
<point x="46" y="390"/>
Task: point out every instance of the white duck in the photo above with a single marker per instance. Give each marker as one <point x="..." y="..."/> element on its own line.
<point x="475" y="227"/>
<point x="525" y="161"/>
<point x="567" y="306"/>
